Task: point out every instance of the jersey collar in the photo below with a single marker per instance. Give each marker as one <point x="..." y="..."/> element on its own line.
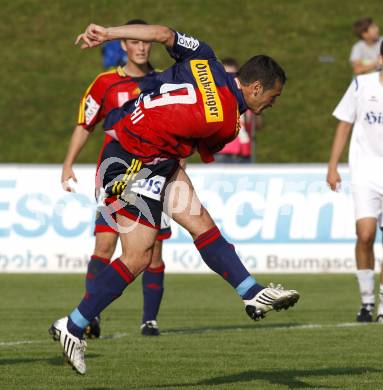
<point x="235" y="87"/>
<point x="121" y="71"/>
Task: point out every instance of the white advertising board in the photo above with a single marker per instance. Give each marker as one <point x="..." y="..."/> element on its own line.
<point x="280" y="218"/>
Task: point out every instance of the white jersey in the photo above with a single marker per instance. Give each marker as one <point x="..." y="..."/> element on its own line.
<point x="362" y="105"/>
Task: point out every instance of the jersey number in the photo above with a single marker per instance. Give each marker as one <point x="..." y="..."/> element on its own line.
<point x="166" y="98"/>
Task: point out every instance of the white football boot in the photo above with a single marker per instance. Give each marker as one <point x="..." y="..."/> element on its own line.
<point x="270" y="298"/>
<point x="73" y="347"/>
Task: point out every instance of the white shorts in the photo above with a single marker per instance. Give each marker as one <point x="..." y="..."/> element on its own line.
<point x="367" y="202"/>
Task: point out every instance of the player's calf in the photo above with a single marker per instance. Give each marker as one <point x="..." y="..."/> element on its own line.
<point x="221" y="257"/>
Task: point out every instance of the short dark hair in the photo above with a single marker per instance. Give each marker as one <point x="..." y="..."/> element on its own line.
<point x="261" y="68"/>
<point x="230" y="61"/>
<point x="360" y="26"/>
<point x="381" y="49"/>
<point x="135" y="21"/>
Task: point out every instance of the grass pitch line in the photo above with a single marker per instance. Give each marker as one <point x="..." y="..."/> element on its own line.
<point x="263" y="328"/>
<point x="20" y="342"/>
<point x="171" y="332"/>
<point x="117" y="336"/>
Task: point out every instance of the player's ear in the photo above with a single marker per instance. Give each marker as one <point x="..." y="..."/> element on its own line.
<point x="256" y="88"/>
<point x="380" y="60"/>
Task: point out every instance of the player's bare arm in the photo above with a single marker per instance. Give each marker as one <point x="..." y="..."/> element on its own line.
<point x="95" y="35"/>
<point x="340" y="139"/>
<point x="77" y="142"/>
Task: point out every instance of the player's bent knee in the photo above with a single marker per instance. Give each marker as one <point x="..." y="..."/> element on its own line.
<point x="366" y="238"/>
<point x="105" y="246"/>
<point x="105" y="251"/>
<point x="136" y="261"/>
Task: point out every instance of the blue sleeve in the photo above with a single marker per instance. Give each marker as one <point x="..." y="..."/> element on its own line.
<point x="186" y="48"/>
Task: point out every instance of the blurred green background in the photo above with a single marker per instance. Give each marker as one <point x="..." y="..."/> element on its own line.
<point x="44" y="75"/>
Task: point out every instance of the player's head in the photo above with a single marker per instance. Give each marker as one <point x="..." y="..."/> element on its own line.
<point x="230" y="64"/>
<point x="366" y="29"/>
<point x="262" y="81"/>
<point x="381" y="63"/>
<point x="138" y="51"/>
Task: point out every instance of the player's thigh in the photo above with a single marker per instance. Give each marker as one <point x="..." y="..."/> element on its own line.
<point x="137" y="241"/>
<point x="184" y="207"/>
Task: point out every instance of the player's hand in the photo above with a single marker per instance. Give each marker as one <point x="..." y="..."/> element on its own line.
<point x="333" y="179"/>
<point x="93" y="36"/>
<point x="66" y="176"/>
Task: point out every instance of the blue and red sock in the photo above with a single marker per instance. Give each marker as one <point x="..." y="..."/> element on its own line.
<point x="95" y="266"/>
<point x="153" y="289"/>
<point x="220" y="256"/>
<point x="108" y="285"/>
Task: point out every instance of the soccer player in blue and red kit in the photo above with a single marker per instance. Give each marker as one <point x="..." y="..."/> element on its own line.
<point x="108" y="91"/>
<point x="192" y="106"/>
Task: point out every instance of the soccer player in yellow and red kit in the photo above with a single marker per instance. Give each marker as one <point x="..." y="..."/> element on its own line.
<point x="108" y="91"/>
<point x="192" y="106"/>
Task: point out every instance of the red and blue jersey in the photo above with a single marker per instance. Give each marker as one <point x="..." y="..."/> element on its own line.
<point x="193" y="105"/>
<point x="108" y="91"/>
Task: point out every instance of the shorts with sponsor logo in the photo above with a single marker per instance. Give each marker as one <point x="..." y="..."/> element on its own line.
<point x="367" y="201"/>
<point x="133" y="188"/>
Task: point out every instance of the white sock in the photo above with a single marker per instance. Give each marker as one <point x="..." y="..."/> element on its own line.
<point x="366" y="285"/>
<point x="380" y="311"/>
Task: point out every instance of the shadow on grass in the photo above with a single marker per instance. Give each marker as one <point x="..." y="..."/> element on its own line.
<point x="56" y="361"/>
<point x="228" y="328"/>
<point x="98" y="388"/>
<point x="281" y="377"/>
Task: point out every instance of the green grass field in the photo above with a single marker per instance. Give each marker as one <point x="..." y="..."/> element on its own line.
<point x="207" y="341"/>
<point x="44" y="74"/>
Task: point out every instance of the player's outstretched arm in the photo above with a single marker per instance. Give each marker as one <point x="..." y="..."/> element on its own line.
<point x="340" y="139"/>
<point x="95" y="35"/>
<point x="77" y="142"/>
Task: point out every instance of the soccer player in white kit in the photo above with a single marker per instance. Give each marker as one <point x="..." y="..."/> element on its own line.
<point x="362" y="108"/>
